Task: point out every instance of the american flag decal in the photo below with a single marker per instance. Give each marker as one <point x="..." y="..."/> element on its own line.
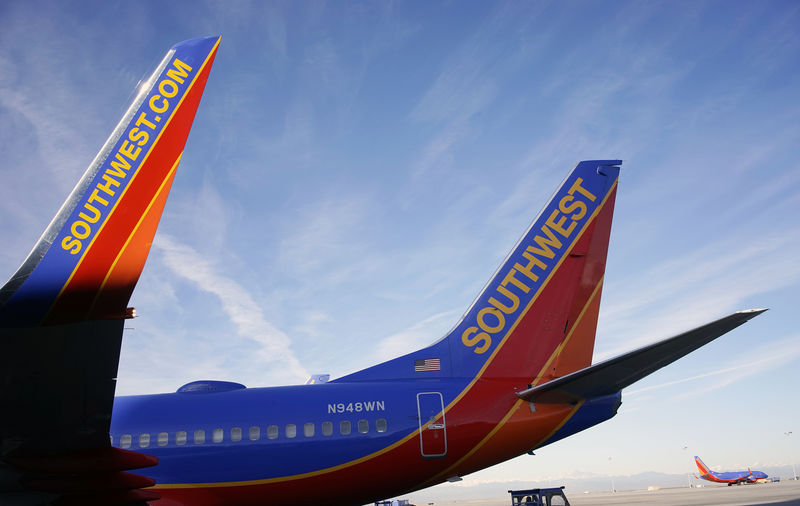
<point x="428" y="364"/>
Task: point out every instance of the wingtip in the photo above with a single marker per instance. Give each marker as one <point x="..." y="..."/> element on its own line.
<point x="745" y="315"/>
<point x="611" y="162"/>
<point x="206" y="42"/>
<point x="754" y="311"/>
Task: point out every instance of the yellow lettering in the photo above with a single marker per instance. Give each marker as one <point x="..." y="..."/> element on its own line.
<point x="109" y="182"/>
<point x="180" y="71"/>
<point x="559" y="225"/>
<point x="163" y="108"/>
<point x="143" y="119"/>
<point x="130" y="149"/>
<point x="532" y="262"/>
<point x="567" y="209"/>
<point x="84" y="230"/>
<point x="138" y="136"/>
<point x="511" y="297"/>
<point x="576" y="186"/>
<point x="168" y="88"/>
<point x="544" y="244"/>
<point x="120" y="164"/>
<point x="94" y="210"/>
<point x="94" y="196"/>
<point x="514" y="281"/>
<point x="71" y="245"/>
<point x="501" y="320"/>
<point x="473" y="341"/>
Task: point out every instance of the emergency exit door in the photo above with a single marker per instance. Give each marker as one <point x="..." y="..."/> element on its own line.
<point x="432" y="428"/>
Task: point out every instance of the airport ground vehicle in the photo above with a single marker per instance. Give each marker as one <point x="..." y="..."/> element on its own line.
<point x="553" y="496"/>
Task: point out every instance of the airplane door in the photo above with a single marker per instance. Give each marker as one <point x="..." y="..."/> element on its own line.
<point x="432" y="430"/>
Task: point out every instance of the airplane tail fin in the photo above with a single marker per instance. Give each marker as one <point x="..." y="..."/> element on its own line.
<point x="536" y="317"/>
<point x="704" y="470"/>
<point x="87" y="262"/>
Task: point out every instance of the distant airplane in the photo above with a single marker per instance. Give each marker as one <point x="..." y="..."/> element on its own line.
<point x="731" y="478"/>
<point x="513" y="375"/>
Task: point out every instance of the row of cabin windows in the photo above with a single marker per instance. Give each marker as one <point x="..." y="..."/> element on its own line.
<point x="253" y="434"/>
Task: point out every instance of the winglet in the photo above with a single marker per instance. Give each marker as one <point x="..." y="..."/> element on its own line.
<point x="88" y="260"/>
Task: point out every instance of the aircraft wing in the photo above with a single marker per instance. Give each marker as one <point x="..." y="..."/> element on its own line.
<point x="611" y="376"/>
<point x="62" y="313"/>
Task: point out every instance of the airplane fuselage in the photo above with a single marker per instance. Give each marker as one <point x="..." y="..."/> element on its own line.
<point x="300" y="444"/>
<point x="729" y="477"/>
<point x="735" y="477"/>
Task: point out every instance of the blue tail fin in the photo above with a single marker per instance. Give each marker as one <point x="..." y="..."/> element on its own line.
<point x="87" y="262"/>
<point x="537" y="315"/>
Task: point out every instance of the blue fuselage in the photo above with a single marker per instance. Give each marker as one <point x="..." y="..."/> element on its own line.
<point x="254" y="434"/>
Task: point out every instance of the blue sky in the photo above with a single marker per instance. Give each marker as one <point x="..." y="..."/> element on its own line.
<point x="357" y="171"/>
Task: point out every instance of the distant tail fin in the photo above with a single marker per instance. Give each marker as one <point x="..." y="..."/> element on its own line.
<point x="704" y="470"/>
<point x="536" y="317"/>
<point x="89" y="259"/>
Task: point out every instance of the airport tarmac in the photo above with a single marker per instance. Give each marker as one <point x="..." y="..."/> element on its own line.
<point x="785" y="493"/>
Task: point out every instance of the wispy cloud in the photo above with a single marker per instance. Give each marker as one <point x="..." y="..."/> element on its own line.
<point x="438" y="152"/>
<point x="469" y="81"/>
<point x="704" y="283"/>
<point x="295" y="146"/>
<point x="417" y="336"/>
<point x="237" y="303"/>
<point x="325" y="232"/>
<point x="770" y="357"/>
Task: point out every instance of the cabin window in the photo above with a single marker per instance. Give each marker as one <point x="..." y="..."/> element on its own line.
<point x="308" y="430"/>
<point x="380" y="425"/>
<point x="363" y="426"/>
<point x="144" y="440"/>
<point x="291" y="430"/>
<point x="327" y="428"/>
<point x="217" y="435"/>
<point x="180" y="437"/>
<point x="125" y="441"/>
<point x="163" y="439"/>
<point x="272" y="432"/>
<point x="344" y="427"/>
<point x="199" y="437"/>
<point x="236" y="434"/>
<point x="254" y="433"/>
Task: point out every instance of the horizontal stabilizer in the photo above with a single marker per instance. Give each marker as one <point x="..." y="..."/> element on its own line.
<point x="611" y="376"/>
